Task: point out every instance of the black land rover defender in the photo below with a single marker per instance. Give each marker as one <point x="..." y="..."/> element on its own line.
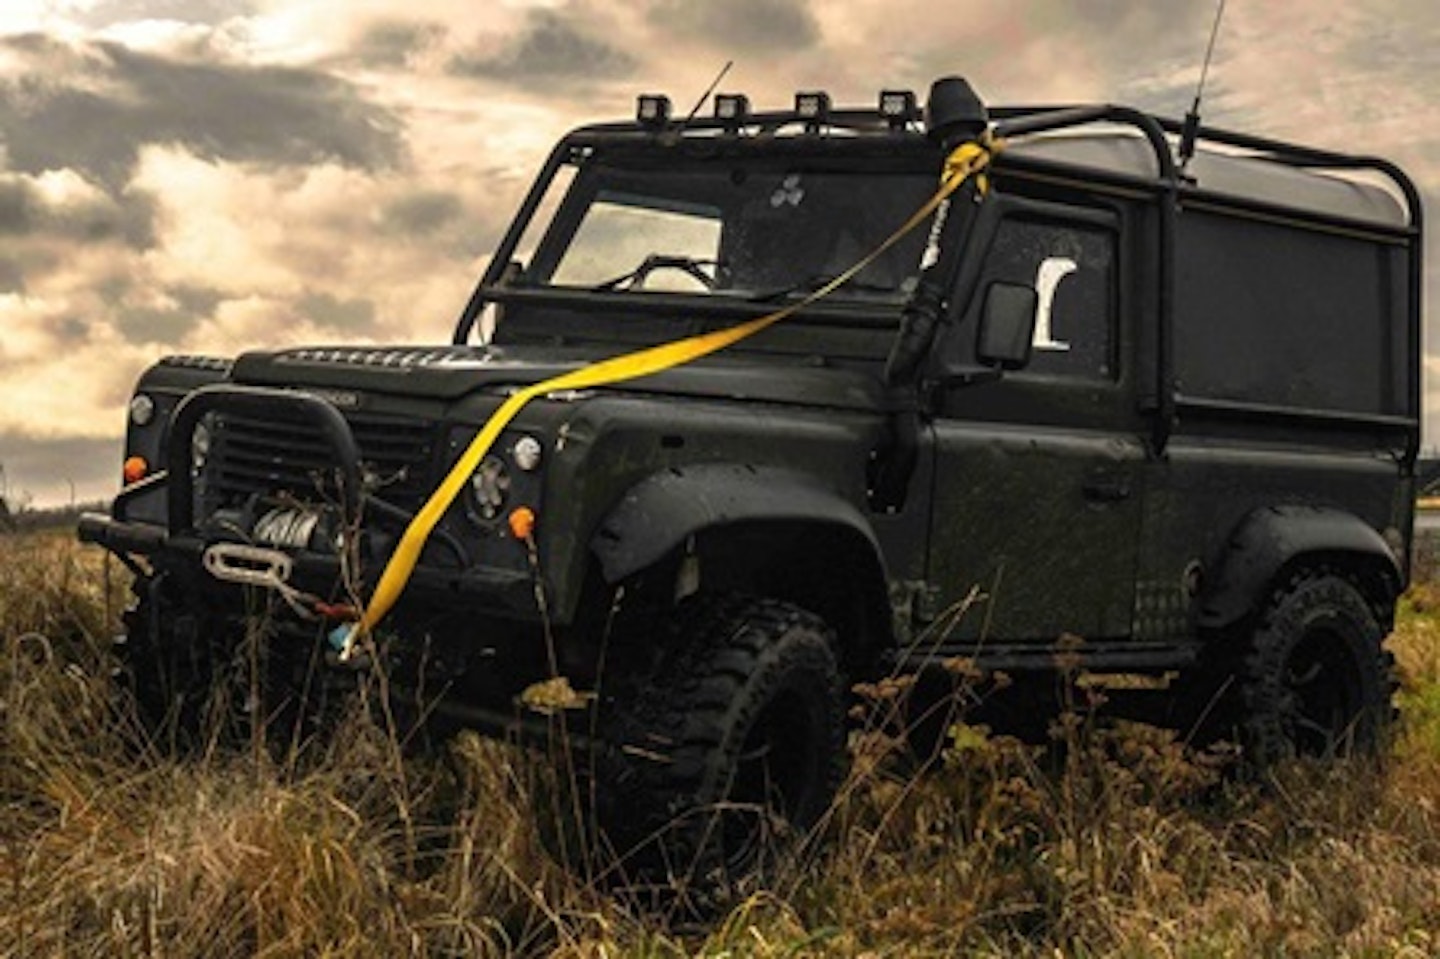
<point x="1153" y="388"/>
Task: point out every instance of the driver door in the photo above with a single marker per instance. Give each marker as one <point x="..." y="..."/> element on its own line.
<point x="1037" y="498"/>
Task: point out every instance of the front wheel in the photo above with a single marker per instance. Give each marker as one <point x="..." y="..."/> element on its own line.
<point x="732" y="748"/>
<point x="198" y="679"/>
<point x="1315" y="682"/>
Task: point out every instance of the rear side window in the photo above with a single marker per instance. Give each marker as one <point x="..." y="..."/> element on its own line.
<point x="1280" y="316"/>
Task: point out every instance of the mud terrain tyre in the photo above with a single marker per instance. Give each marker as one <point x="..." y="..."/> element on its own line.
<point x="731" y="749"/>
<point x="1315" y="682"/>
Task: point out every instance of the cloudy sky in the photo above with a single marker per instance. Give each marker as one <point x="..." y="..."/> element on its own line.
<point x="213" y="175"/>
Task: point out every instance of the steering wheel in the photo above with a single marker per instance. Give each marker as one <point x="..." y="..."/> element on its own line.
<point x="635" y="279"/>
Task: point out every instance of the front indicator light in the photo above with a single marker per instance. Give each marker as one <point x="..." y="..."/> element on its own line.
<point x="522" y="523"/>
<point x="135" y="469"/>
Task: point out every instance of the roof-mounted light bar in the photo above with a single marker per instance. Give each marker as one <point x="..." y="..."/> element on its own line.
<point x="813" y="106"/>
<point x="652" y="110"/>
<point x="899" y="109"/>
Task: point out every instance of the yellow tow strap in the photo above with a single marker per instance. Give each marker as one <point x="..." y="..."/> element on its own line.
<point x="966" y="160"/>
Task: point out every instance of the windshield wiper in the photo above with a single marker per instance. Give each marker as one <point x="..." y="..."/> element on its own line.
<point x="635" y="279"/>
<point x="819" y="282"/>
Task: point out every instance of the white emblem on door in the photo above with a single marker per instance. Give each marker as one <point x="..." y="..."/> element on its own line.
<point x="1052" y="270"/>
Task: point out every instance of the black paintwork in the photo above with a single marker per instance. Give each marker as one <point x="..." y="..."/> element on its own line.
<point x="1090" y="493"/>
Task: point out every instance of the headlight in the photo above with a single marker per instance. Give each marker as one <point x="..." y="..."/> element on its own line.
<point x="490" y="485"/>
<point x="142" y="409"/>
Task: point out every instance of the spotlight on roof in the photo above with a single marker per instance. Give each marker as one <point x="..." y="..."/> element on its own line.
<point x="899" y="107"/>
<point x="732" y="109"/>
<point x="652" y="110"/>
<point x="813" y="106"/>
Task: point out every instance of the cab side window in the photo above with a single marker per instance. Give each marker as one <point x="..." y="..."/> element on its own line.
<point x="1072" y="268"/>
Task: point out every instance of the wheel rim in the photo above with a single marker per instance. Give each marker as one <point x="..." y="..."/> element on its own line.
<point x="774" y="779"/>
<point x="1323" y="710"/>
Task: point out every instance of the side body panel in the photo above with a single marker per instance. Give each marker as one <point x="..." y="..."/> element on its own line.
<point x="1294" y="364"/>
<point x="1206" y="487"/>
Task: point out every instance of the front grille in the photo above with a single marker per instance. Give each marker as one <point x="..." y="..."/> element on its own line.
<point x="251" y="455"/>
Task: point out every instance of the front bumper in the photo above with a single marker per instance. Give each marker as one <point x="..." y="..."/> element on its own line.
<point x="503" y="592"/>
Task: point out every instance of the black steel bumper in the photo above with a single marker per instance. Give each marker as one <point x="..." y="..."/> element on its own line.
<point x="503" y="591"/>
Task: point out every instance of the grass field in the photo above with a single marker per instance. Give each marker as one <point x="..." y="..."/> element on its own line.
<point x="1130" y="845"/>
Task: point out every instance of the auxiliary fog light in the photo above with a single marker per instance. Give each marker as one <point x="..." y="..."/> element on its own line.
<point x="142" y="409"/>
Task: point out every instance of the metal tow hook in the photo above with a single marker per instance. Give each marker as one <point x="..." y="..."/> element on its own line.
<point x="248" y="565"/>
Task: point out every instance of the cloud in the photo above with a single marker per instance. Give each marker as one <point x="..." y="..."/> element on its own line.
<point x="742" y="26"/>
<point x="397" y="43"/>
<point x="107" y="13"/>
<point x="347" y="317"/>
<point x="421" y="212"/>
<point x="160" y="316"/>
<point x="62" y="205"/>
<point x="64" y="370"/>
<point x="93" y="107"/>
<point x="552" y="45"/>
<point x="325" y="229"/>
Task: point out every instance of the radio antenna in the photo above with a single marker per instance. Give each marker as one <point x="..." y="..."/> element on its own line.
<point x="1191" y="129"/>
<point x="706" y="95"/>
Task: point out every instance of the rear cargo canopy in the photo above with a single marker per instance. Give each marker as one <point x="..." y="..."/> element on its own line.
<point x="1229" y="174"/>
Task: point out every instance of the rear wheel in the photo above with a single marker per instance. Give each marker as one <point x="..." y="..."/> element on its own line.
<point x="1316" y="682"/>
<point x="731" y="749"/>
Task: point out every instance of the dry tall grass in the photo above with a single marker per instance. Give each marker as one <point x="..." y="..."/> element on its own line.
<point x="1128" y="845"/>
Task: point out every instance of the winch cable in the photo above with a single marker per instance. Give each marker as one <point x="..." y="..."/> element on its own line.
<point x="967" y="160"/>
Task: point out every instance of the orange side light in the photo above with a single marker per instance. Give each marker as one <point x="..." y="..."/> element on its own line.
<point x="135" y="469"/>
<point x="522" y="523"/>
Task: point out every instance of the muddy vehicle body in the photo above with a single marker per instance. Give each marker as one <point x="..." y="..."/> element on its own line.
<point x="1171" y="411"/>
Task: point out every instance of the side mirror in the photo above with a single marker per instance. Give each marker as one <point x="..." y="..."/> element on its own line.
<point x="1007" y="326"/>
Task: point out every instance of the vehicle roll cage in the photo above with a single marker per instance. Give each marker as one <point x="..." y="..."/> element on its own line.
<point x="843" y="129"/>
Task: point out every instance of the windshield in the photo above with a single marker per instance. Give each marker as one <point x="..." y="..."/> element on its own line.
<point x="753" y="228"/>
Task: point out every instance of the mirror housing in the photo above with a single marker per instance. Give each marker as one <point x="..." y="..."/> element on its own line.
<point x="1007" y="326"/>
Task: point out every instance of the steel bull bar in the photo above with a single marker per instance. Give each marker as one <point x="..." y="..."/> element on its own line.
<point x="116" y="533"/>
<point x="502" y="592"/>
